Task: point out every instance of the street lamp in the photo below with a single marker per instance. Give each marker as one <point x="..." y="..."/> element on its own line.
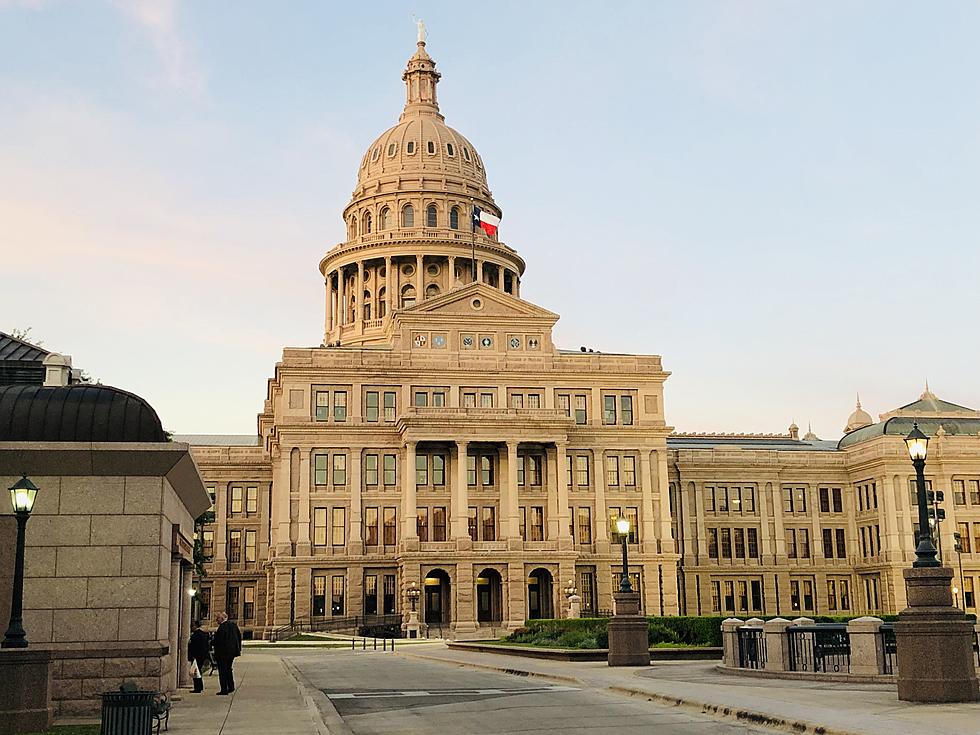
<point x="570" y="588"/>
<point x="958" y="548"/>
<point x="22" y="496"/>
<point x="413" y="595"/>
<point x="623" y="529"/>
<point x="918" y="444"/>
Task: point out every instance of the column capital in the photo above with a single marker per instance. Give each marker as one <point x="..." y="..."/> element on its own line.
<point x="511" y="444"/>
<point x="411" y="443"/>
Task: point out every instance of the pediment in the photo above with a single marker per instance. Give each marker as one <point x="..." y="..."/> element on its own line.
<point x="478" y="301"/>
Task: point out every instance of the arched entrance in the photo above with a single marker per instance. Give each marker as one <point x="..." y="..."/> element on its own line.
<point x="489" y="597"/>
<point x="436" y="608"/>
<point x="539" y="595"/>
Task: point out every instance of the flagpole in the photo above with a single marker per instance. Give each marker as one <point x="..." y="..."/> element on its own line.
<point x="473" y="238"/>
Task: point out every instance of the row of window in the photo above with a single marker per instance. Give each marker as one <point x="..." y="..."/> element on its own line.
<point x="960" y="488"/>
<point x="870" y="540"/>
<point x="746" y="595"/>
<point x="733" y="543"/>
<point x="241" y="500"/>
<point x="407" y="219"/>
<point x="333" y="404"/>
<point x="430" y="149"/>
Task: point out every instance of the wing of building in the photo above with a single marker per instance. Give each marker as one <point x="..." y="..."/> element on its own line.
<point x="437" y="439"/>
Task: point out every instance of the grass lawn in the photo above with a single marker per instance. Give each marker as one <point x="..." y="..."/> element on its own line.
<point x="70" y="730"/>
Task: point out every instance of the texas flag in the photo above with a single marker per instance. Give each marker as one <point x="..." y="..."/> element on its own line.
<point x="487" y="221"/>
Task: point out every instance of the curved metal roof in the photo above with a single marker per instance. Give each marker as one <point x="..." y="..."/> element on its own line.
<point x="76" y="413"/>
<point x="902" y="425"/>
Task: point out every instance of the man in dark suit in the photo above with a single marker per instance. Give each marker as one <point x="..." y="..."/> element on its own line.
<point x="227" y="640"/>
<point x="198" y="652"/>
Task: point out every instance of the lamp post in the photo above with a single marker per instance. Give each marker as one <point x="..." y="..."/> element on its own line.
<point x="413" y="595"/>
<point x="22" y="496"/>
<point x="958" y="548"/>
<point x="623" y="529"/>
<point x="413" y="627"/>
<point x="925" y="552"/>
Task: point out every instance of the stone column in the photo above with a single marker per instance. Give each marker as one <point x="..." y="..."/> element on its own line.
<point x="777" y="644"/>
<point x="565" y="540"/>
<point x="460" y="500"/>
<point x="479" y="271"/>
<point x="500" y="278"/>
<point x="359" y="296"/>
<point x="517" y="285"/>
<point x="510" y="529"/>
<point x="419" y="279"/>
<point x="355" y="545"/>
<point x="303" y="545"/>
<point x="452" y="271"/>
<point x="328" y="308"/>
<point x="648" y="525"/>
<point x="464" y="611"/>
<point x="409" y="507"/>
<point x="667" y="544"/>
<point x="220" y="561"/>
<point x="729" y="642"/>
<point x="601" y="515"/>
<point x="553" y="477"/>
<point x="866" y="646"/>
<point x="388" y="285"/>
<point x="281" y="486"/>
<point x="515" y="610"/>
<point x="341" y="297"/>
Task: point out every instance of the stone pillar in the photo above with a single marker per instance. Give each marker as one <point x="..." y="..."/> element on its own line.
<point x="359" y="296"/>
<point x="667" y="544"/>
<point x="464" y="611"/>
<point x="328" y="309"/>
<point x="304" y="594"/>
<point x="552" y="471"/>
<point x="460" y="500"/>
<point x="516" y="592"/>
<point x="629" y="643"/>
<point x="409" y="507"/>
<point x="355" y="545"/>
<point x="729" y="642"/>
<point x="25" y="697"/>
<point x="601" y="514"/>
<point x="220" y="560"/>
<point x="934" y="642"/>
<point x="648" y="524"/>
<point x="388" y="285"/>
<point x="517" y="285"/>
<point x="281" y="486"/>
<point x="419" y="280"/>
<point x="303" y="545"/>
<point x="565" y="540"/>
<point x="479" y="271"/>
<point x="452" y="272"/>
<point x="866" y="646"/>
<point x="510" y="530"/>
<point x="777" y="645"/>
<point x="341" y="297"/>
<point x="500" y="278"/>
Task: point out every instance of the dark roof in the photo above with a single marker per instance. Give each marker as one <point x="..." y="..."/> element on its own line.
<point x="20" y="361"/>
<point x="76" y="413"/>
<point x="778" y="444"/>
<point x="930" y="403"/>
<point x="902" y="425"/>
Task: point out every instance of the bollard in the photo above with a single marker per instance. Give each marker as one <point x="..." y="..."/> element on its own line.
<point x="363" y="644"/>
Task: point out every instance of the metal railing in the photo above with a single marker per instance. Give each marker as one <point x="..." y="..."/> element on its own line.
<point x="751" y="648"/>
<point x="820" y="648"/>
<point x="387" y="644"/>
<point x="337" y="624"/>
<point x="889" y="649"/>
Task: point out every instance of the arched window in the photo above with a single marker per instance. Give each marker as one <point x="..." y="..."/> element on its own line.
<point x="408" y="216"/>
<point x="408" y="297"/>
<point x="353" y="226"/>
<point x="431" y="290"/>
<point x="367" y="305"/>
<point x="367" y="223"/>
<point x="430" y="147"/>
<point x="385" y="218"/>
<point x="454" y="218"/>
<point x="382" y="304"/>
<point x="391" y="150"/>
<point x="352" y="308"/>
<point x="410" y="147"/>
<point x="466" y="153"/>
<point x="450" y="150"/>
<point x="430" y="216"/>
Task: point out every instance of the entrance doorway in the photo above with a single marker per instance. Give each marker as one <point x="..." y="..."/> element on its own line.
<point x="489" y="598"/>
<point x="539" y="595"/>
<point x="437" y="588"/>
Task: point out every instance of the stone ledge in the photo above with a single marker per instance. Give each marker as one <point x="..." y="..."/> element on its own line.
<point x="808" y="675"/>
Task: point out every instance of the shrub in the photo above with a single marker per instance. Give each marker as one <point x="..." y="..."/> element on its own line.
<point x="658" y="633"/>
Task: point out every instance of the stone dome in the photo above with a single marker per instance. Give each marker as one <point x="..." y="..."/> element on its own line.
<point x="859" y="419"/>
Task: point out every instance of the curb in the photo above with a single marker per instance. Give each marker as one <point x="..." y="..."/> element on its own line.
<point x="558" y="678"/>
<point x="760" y="719"/>
<point x="318" y="704"/>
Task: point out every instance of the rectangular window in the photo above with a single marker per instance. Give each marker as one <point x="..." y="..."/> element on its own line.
<point x="582" y="470"/>
<point x="712" y="543"/>
<point x="533" y="400"/>
<point x="534" y="463"/>
<point x="251" y="500"/>
<point x="337" y="525"/>
<point x="739" y="543"/>
<point x="824" y="500"/>
<point x="748" y="497"/>
<point x="721" y="495"/>
<point x="250" y="546"/>
<point x="469" y="400"/>
<point x="439" y="399"/>
<point x="471" y="469"/>
<point x="523" y="517"/>
<point x="520" y="469"/>
<point x="319" y="596"/>
<point x="390" y="536"/>
<point x="794" y="594"/>
<point x="626" y="410"/>
<point x="389" y="399"/>
<point x="831" y="595"/>
<point x="804" y="543"/>
<point x="726" y="543"/>
<point x="709" y="499"/>
<point x="629" y="471"/>
<point x="489" y="523"/>
<point x="337" y="596"/>
<point x="807" y="594"/>
<point x="438" y="469"/>
<point x="234" y="547"/>
<point x="388" y="599"/>
<point x="320" y="469"/>
<point x="974" y="492"/>
<point x="612" y="471"/>
<point x="211" y="495"/>
<point x="231" y="601"/>
<point x="439" y="524"/>
<point x="752" y="536"/>
<point x="964" y="531"/>
<point x="322" y="405"/>
<point x="340" y="405"/>
<point x="421" y="469"/>
<point x="743" y="596"/>
<point x="716" y="597"/>
<point x="371" y="526"/>
<point x="585" y="525"/>
<point x="319" y="526"/>
<point x="236" y="500"/>
<point x="471" y="522"/>
<point x="838" y="502"/>
<point x="968" y="598"/>
<point x="633" y="516"/>
<point x="340" y="469"/>
<point x="391" y="462"/>
<point x="204" y="603"/>
<point x="959" y="492"/>
<point x="517" y="400"/>
<point x="372" y="404"/>
<point x="790" y="543"/>
<point x="537" y="523"/>
<point x="421" y="399"/>
<point x="845" y="597"/>
<point x="486" y="400"/>
<point x="486" y="471"/>
<point x="581" y="413"/>
<point x="422" y="523"/>
<point x="841" y="544"/>
<point x="730" y="596"/>
<point x="609" y="410"/>
<point x="828" y="543"/>
<point x="371" y="469"/>
<point x="756" y="587"/>
<point x="586" y="586"/>
<point x="207" y="542"/>
<point x="370" y="594"/>
<point x="564" y="404"/>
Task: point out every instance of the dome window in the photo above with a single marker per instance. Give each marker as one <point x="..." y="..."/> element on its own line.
<point x="410" y="147"/>
<point x="408" y="216"/>
<point x="385" y="221"/>
<point x="382" y="303"/>
<point x="367" y="306"/>
<point x="408" y="297"/>
<point x="450" y="150"/>
<point x="466" y="153"/>
<point x="454" y="218"/>
<point x="431" y="148"/>
<point x="377" y="152"/>
<point x="391" y="150"/>
<point x="430" y="216"/>
<point x="431" y="291"/>
<point x="353" y="226"/>
<point x="367" y="223"/>
<point x="432" y="269"/>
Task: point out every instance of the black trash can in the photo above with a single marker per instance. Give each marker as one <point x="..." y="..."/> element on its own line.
<point x="127" y="713"/>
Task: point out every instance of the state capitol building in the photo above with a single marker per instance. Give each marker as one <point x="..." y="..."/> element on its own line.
<point x="438" y="438"/>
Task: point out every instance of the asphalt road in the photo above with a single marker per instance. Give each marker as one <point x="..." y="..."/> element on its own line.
<point x="386" y="694"/>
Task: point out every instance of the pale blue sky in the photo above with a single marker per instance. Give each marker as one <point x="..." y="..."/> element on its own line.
<point x="778" y="197"/>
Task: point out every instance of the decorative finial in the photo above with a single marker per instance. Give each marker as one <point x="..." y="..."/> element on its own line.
<point x="859" y="400"/>
<point x="421" y="26"/>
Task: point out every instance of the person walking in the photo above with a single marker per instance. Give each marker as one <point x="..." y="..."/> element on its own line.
<point x="227" y="642"/>
<point x="198" y="652"/>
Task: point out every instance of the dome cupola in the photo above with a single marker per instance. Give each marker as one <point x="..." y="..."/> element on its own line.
<point x="859" y="419"/>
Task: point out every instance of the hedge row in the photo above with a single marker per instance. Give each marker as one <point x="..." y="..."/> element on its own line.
<point x="687" y="630"/>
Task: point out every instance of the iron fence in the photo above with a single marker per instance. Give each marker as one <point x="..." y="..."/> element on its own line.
<point x="822" y="648"/>
<point x="889" y="649"/>
<point x="751" y="648"/>
<point x="336" y="625"/>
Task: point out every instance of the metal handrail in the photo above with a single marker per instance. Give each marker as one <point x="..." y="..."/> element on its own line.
<point x="823" y="647"/>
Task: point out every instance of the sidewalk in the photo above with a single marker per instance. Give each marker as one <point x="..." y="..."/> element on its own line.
<point x="266" y="700"/>
<point x="793" y="706"/>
